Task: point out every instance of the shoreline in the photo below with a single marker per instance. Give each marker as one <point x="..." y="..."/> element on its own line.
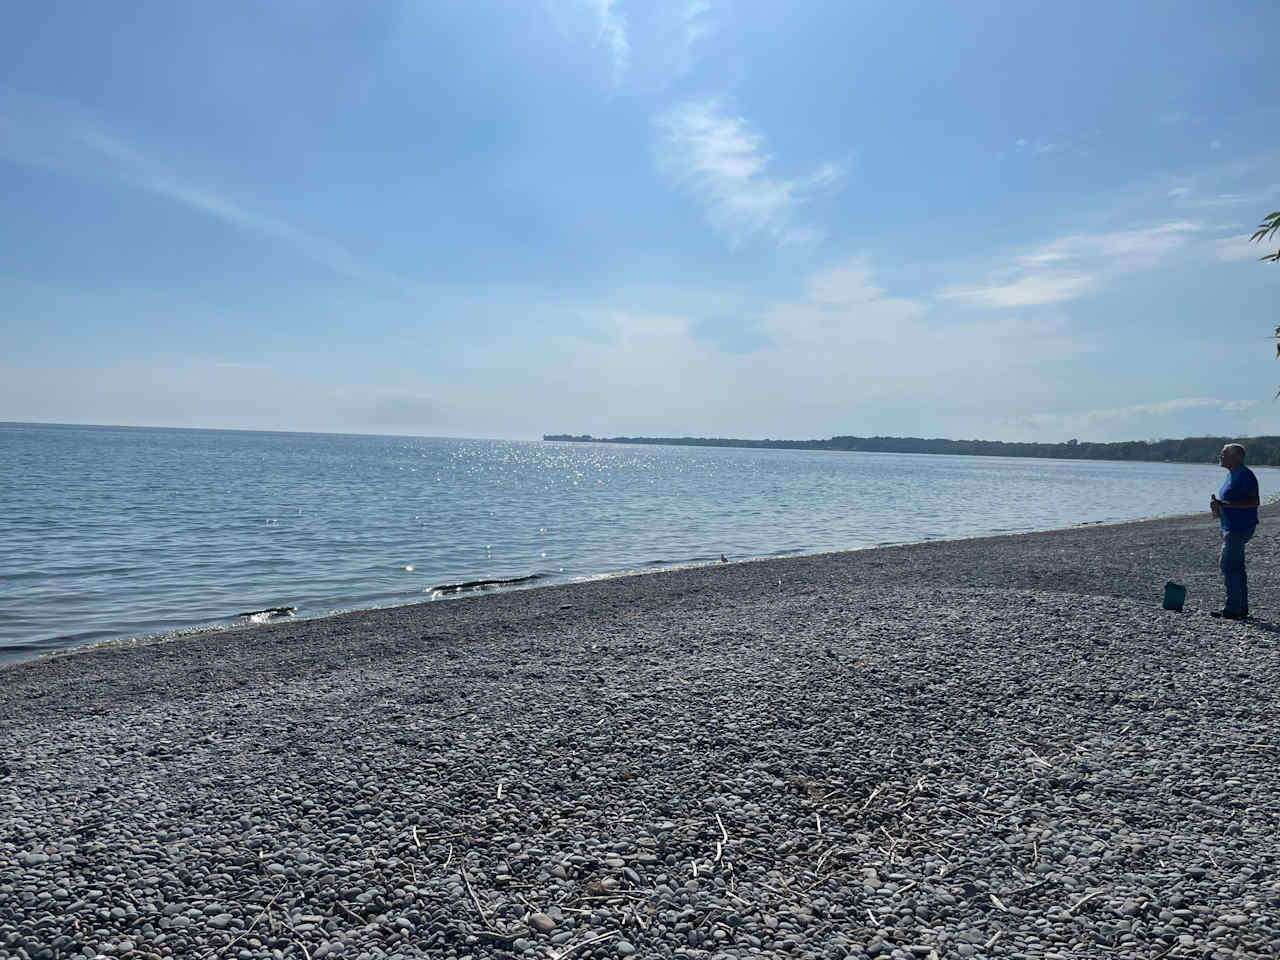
<point x="12" y="658"/>
<point x="992" y="747"/>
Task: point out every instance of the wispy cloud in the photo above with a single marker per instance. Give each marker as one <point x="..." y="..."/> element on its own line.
<point x="1124" y="249"/>
<point x="1238" y="248"/>
<point x="1100" y="418"/>
<point x="1070" y="267"/>
<point x="1029" y="291"/>
<point x="690" y="22"/>
<point x="1041" y="146"/>
<point x="696" y="21"/>
<point x="721" y="160"/>
<point x="256" y="367"/>
<point x="612" y="34"/>
<point x="67" y="139"/>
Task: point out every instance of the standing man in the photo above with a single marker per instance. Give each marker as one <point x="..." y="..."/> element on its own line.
<point x="1236" y="507"/>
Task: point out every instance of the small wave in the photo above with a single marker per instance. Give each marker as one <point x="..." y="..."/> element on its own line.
<point x="694" y="561"/>
<point x="70" y="571"/>
<point x="270" y="613"/>
<point x="471" y="585"/>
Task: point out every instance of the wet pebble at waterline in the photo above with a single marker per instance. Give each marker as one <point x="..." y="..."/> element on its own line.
<point x="844" y="769"/>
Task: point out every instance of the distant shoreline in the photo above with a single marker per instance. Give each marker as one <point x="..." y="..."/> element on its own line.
<point x="1262" y="451"/>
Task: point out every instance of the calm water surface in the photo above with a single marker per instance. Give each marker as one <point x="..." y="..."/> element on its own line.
<point x="111" y="532"/>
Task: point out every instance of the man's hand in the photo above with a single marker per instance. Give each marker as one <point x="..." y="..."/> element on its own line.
<point x="1215" y="505"/>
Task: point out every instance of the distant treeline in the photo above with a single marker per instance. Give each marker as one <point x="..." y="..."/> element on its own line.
<point x="1262" y="451"/>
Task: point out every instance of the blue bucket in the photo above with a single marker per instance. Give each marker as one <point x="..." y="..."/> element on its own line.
<point x="1175" y="595"/>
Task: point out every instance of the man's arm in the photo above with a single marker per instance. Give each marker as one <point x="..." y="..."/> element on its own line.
<point x="1240" y="504"/>
<point x="1244" y="504"/>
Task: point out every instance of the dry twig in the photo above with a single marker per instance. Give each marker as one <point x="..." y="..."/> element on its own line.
<point x="249" y="929"/>
<point x="1083" y="900"/>
<point x="474" y="898"/>
<point x="586" y="943"/>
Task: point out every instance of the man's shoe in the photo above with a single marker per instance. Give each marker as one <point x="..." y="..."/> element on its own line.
<point x="1228" y="615"/>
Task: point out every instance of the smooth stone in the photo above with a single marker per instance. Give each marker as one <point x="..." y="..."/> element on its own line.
<point x="542" y="923"/>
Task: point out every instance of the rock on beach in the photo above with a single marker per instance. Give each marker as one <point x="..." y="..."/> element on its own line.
<point x="986" y="748"/>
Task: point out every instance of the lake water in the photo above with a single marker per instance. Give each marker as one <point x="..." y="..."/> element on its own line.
<point x="110" y="532"/>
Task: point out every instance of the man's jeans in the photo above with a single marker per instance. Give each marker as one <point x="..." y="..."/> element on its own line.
<point x="1232" y="565"/>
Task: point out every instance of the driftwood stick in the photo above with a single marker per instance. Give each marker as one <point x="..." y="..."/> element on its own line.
<point x="256" y="921"/>
<point x="474" y="898"/>
<point x="823" y="859"/>
<point x="1034" y="886"/>
<point x="1083" y="900"/>
<point x="586" y="943"/>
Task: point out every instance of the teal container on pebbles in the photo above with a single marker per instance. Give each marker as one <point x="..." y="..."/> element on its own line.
<point x="1175" y="595"/>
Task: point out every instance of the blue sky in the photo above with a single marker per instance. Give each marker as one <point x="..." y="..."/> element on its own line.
<point x="997" y="220"/>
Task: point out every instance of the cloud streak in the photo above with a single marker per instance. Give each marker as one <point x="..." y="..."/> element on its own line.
<point x="612" y="34"/>
<point x="1073" y="266"/>
<point x="721" y="161"/>
<point x="69" y="140"/>
<point x="1101" y="417"/>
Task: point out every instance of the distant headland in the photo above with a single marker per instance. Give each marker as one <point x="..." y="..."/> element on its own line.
<point x="1263" y="451"/>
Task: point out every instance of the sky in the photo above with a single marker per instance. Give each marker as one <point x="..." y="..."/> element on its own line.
<point x="1013" y="221"/>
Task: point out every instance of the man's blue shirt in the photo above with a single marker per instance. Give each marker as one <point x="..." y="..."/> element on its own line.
<point x="1240" y="484"/>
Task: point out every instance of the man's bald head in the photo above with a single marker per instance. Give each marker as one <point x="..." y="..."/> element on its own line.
<point x="1232" y="455"/>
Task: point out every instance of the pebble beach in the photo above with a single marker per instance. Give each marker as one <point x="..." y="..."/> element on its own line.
<point x="999" y="747"/>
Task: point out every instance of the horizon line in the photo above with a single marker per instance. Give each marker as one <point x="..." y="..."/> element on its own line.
<point x="590" y="438"/>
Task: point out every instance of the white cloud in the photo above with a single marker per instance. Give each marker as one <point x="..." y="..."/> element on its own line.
<point x="844" y="356"/>
<point x="828" y="333"/>
<point x="612" y="34"/>
<point x="694" y="24"/>
<point x="1237" y="248"/>
<point x="1227" y="200"/>
<point x="1135" y="417"/>
<point x="827" y="176"/>
<point x="1126" y="249"/>
<point x="69" y="140"/>
<point x="721" y="160"/>
<point x="257" y="367"/>
<point x="1070" y="267"/>
<point x="1028" y="291"/>
<point x="844" y="285"/>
